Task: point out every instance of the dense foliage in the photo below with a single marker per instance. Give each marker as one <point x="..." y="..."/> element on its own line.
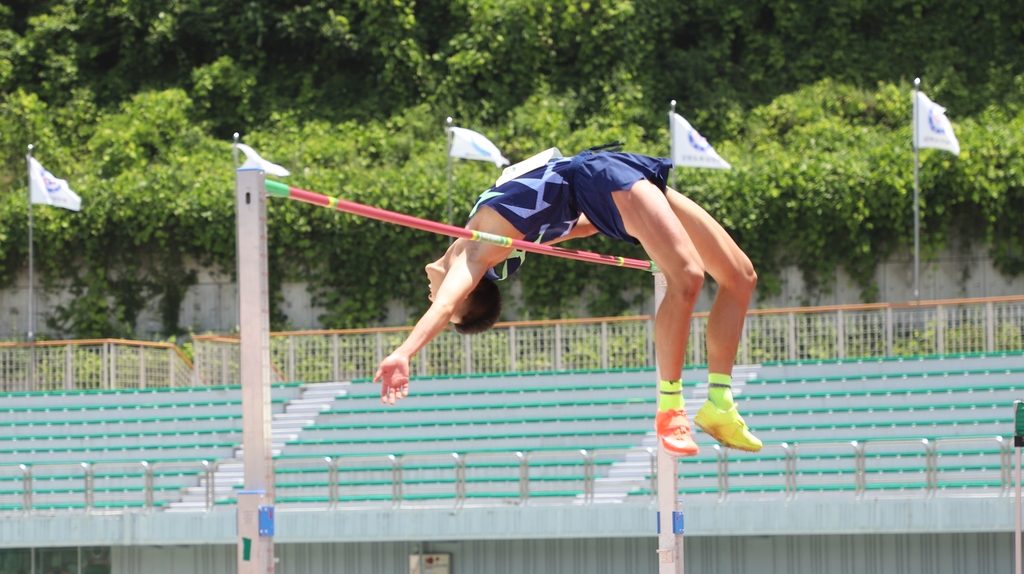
<point x="133" y="101"/>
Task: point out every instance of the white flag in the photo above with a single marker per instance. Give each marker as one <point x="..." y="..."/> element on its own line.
<point x="46" y="189"/>
<point x="468" y="144"/>
<point x="931" y="126"/>
<point x="253" y="159"/>
<point x="689" y="148"/>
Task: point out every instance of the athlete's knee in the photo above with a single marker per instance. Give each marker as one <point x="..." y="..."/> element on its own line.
<point x="687" y="280"/>
<point x="746" y="277"/>
<point x="741" y="276"/>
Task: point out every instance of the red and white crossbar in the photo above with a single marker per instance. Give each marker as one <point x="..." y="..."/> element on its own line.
<point x="276" y="189"/>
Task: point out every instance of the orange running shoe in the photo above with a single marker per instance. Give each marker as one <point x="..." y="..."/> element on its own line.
<point x="674" y="433"/>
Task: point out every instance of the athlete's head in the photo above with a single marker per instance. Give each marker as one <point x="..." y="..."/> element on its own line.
<point x="480" y="310"/>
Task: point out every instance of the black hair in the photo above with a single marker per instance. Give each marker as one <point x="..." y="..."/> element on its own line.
<point x="482" y="308"/>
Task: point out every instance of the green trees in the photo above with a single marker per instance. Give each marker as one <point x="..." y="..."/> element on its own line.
<point x="134" y="103"/>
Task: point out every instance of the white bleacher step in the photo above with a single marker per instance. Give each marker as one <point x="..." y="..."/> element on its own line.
<point x="230" y="473"/>
<point x="307" y="406"/>
<point x="328" y="391"/>
<point x="187" y="506"/>
<point x="284" y="428"/>
<point x="625" y="476"/>
<point x="302" y="419"/>
<point x="291" y="424"/>
<point x="275" y="449"/>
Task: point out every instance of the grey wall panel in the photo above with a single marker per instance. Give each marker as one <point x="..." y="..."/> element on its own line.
<point x="197" y="559"/>
<point x="741" y="517"/>
<point x="592" y="556"/>
<point x="975" y="553"/>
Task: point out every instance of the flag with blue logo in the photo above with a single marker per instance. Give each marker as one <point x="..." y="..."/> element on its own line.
<point x="253" y="160"/>
<point x="46" y="189"/>
<point x="689" y="148"/>
<point x="468" y="144"/>
<point x="931" y="126"/>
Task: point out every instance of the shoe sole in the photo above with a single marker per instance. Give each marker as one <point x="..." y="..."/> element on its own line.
<point x="677" y="454"/>
<point x="725" y="443"/>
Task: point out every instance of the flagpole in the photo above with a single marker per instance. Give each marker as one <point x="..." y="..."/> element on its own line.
<point x="448" y="156"/>
<point x="31" y="281"/>
<point x="234" y="150"/>
<point x="672" y="139"/>
<point x="917" y="192"/>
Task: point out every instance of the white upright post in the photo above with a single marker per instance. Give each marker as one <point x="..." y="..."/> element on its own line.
<point x="255" y="502"/>
<point x="1018" y="441"/>
<point x="670" y="508"/>
<point x="1016" y="519"/>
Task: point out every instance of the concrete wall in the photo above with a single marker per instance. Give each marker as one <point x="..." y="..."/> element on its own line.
<point x="212" y="304"/>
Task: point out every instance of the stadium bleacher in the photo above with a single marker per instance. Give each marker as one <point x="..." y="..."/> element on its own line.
<point x="880" y="426"/>
<point x="57" y="441"/>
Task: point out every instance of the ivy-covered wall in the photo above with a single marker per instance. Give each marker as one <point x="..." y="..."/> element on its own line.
<point x="134" y="102"/>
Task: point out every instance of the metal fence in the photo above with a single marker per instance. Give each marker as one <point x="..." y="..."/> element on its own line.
<point x="884" y="468"/>
<point x="92" y="365"/>
<point x="809" y="333"/>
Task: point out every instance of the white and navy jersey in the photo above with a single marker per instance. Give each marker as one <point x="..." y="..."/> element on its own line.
<point x="546" y="203"/>
<point x="538" y="204"/>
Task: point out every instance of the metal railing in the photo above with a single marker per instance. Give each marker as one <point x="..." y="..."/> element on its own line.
<point x="94" y="364"/>
<point x="771" y="335"/>
<point x="569" y="476"/>
<point x="99" y="486"/>
<point x="808" y="333"/>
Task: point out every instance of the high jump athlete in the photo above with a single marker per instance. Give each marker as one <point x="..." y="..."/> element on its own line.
<point x="623" y="196"/>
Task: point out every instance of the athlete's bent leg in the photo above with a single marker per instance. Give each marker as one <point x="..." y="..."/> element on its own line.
<point x="647" y="216"/>
<point x="733" y="272"/>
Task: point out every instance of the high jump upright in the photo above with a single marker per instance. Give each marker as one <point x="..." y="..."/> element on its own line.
<point x="256" y="500"/>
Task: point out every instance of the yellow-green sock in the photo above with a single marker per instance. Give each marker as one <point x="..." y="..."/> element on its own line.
<point x="671" y="395"/>
<point x="720" y="391"/>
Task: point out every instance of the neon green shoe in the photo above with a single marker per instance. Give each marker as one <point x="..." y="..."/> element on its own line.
<point x="727" y="427"/>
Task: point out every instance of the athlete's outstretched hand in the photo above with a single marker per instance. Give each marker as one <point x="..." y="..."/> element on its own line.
<point x="393" y="373"/>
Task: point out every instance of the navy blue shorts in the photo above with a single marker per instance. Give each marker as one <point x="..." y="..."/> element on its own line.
<point x="604" y="172"/>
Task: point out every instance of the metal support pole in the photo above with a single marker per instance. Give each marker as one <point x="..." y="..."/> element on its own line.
<point x="69" y="367"/>
<point x="672" y="139"/>
<point x="524" y="477"/>
<point x="89" y="486"/>
<point x="26" y="488"/>
<point x="512" y="350"/>
<point x="335" y="359"/>
<point x="291" y="359"/>
<point x="670" y="508"/>
<point x="558" y="347"/>
<point x="170" y="368"/>
<point x="448" y="156"/>
<point x="31" y="287"/>
<point x="917" y="193"/>
<point x="604" y="345"/>
<point x="255" y="552"/>
<point x="142" y="368"/>
<point x="112" y="371"/>
<point x="840" y="335"/>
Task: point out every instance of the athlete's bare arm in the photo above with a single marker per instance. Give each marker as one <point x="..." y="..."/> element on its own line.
<point x="462" y="266"/>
